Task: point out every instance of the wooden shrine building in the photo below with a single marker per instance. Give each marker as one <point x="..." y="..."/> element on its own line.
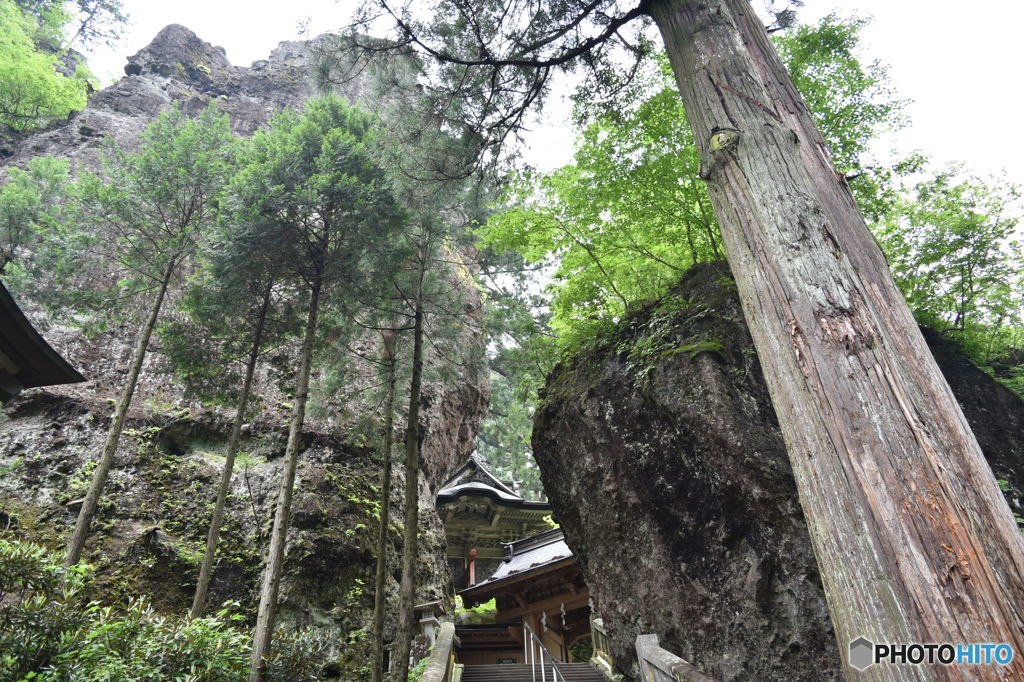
<point x="501" y="547"/>
<point x="481" y="514"/>
<point x="538" y="584"/>
<point x="26" y="360"/>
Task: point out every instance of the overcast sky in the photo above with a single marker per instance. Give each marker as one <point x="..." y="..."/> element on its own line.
<point x="959" y="62"/>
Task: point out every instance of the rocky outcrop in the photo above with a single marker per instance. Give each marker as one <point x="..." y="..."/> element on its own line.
<point x="177" y="67"/>
<point x="661" y="455"/>
<point x="149" y="535"/>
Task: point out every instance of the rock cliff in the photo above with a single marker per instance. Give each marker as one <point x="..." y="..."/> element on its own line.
<point x="662" y="457"/>
<point x="149" y="534"/>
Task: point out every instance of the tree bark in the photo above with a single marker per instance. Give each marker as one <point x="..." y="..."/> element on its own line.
<point x="407" y="589"/>
<point x="99" y="477"/>
<point x="388" y="354"/>
<point x="911" y="533"/>
<point x="213" y="536"/>
<point x="275" y="556"/>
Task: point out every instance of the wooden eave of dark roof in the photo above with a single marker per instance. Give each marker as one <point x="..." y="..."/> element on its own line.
<point x="474" y="462"/>
<point x="37" y="363"/>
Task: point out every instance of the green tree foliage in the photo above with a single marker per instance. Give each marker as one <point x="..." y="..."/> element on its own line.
<point x="630" y="214"/>
<point x="622" y="222"/>
<point x="32" y="91"/>
<point x="31" y="207"/>
<point x="504" y="438"/>
<point x="954" y="247"/>
<point x="65" y="23"/>
<point x="310" y="185"/>
<point x="50" y="630"/>
<point x="852" y="101"/>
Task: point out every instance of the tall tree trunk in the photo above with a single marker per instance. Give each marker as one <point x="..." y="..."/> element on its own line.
<point x="213" y="536"/>
<point x="912" y="535"/>
<point x="388" y="356"/>
<point x="407" y="589"/>
<point x="99" y="477"/>
<point x="275" y="555"/>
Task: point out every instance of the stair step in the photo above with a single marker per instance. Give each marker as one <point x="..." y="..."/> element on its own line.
<point x="572" y="672"/>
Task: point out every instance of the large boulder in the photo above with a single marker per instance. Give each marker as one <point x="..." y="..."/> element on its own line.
<point x="661" y="454"/>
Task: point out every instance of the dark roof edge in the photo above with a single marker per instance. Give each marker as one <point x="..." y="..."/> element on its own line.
<point x="518" y="504"/>
<point x="478" y="461"/>
<point x="60" y="370"/>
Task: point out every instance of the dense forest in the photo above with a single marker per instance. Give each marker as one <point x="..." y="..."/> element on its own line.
<point x="333" y="278"/>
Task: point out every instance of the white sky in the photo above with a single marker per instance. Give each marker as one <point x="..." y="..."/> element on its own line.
<point x="959" y="62"/>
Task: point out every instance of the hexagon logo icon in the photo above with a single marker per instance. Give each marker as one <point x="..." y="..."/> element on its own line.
<point x="861" y="653"/>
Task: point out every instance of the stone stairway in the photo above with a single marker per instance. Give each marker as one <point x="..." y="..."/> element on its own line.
<point x="572" y="672"/>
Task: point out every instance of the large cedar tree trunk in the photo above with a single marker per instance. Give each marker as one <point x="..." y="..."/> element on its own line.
<point x="912" y="535"/>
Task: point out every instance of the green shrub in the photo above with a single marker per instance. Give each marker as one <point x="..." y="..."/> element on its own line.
<point x="50" y="631"/>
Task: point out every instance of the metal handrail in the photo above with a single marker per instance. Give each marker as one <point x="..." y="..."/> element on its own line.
<point x="533" y="659"/>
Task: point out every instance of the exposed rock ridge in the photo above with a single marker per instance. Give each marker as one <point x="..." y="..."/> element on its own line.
<point x="661" y="455"/>
<point x="177" y="66"/>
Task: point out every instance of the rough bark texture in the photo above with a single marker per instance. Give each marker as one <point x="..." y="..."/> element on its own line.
<point x="106" y="459"/>
<point x="663" y="440"/>
<point x="912" y="536"/>
<point x="377" y="633"/>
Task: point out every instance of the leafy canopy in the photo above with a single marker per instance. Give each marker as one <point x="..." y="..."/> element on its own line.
<point x="32" y="91"/>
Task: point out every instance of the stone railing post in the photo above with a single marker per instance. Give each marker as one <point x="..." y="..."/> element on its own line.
<point x="442" y="662"/>
<point x="658" y="665"/>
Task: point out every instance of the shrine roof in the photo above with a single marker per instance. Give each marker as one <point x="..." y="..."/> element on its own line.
<point x="535" y="553"/>
<point x="26" y="359"/>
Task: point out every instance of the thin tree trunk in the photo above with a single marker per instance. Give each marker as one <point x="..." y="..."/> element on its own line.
<point x="911" y="533"/>
<point x="385" y="511"/>
<point x="275" y="556"/>
<point x="213" y="536"/>
<point x="99" y="477"/>
<point x="407" y="589"/>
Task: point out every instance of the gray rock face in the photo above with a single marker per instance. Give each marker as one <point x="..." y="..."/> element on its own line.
<point x="661" y="455"/>
<point x="149" y="534"/>
<point x="176" y="67"/>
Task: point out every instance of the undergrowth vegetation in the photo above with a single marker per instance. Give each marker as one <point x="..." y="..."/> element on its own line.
<point x="51" y="629"/>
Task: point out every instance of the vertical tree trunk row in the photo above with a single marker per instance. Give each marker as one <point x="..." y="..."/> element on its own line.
<point x="407" y="589"/>
<point x="99" y="478"/>
<point x="912" y="535"/>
